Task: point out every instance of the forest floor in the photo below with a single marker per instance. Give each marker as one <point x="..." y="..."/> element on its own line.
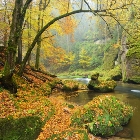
<point x="39" y="95"/>
<point x="34" y="99"/>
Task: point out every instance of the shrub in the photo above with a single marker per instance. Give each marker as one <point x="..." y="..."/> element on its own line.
<point x="104" y="115"/>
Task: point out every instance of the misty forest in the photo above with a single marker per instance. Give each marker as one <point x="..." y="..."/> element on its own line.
<point x="69" y="69"/>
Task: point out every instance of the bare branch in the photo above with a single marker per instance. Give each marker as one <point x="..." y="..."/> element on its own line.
<point x="68" y="6"/>
<point x="120" y="24"/>
<point x="25" y="7"/>
<point x="97" y="4"/>
<point x="99" y="16"/>
<point x="82" y="4"/>
<point x="46" y="4"/>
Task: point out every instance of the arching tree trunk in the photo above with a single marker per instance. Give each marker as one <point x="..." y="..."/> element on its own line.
<point x="40" y="33"/>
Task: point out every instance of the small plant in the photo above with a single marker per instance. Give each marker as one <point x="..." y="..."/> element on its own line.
<point x="70" y="106"/>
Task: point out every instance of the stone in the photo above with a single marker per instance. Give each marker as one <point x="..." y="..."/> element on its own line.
<point x="125" y="133"/>
<point x="130" y="62"/>
<point x="101" y="86"/>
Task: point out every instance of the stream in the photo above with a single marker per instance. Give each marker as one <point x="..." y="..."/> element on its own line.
<point x="128" y="93"/>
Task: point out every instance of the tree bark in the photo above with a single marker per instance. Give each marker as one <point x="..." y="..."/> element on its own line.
<point x="19" y="59"/>
<point x="39" y="39"/>
<point x="40" y="26"/>
<point x="15" y="32"/>
<point x="38" y="54"/>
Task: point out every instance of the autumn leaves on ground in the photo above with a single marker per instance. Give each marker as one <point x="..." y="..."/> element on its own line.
<point x="39" y="111"/>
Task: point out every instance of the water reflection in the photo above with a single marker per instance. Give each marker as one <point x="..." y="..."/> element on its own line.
<point x="127" y="93"/>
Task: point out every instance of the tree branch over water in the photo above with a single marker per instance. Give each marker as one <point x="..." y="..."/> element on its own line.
<point x="98" y="12"/>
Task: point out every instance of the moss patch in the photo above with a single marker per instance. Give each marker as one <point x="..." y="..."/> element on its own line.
<point x="104" y="115"/>
<point x="133" y="52"/>
<point x="109" y="58"/>
<point x="20" y="129"/>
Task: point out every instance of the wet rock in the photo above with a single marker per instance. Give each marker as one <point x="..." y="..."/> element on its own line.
<point x="125" y="133"/>
<point x="118" y="138"/>
<point x="101" y="86"/>
<point x="130" y="60"/>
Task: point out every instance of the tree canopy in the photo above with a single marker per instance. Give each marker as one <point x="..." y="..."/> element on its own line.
<point x="28" y="23"/>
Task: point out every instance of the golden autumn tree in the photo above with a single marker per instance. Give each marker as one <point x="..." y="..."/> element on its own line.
<point x="61" y="9"/>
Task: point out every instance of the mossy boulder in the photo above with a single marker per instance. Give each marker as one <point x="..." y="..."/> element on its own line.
<point x="27" y="128"/>
<point x="132" y="71"/>
<point x="70" y="85"/>
<point x="95" y="76"/>
<point x="110" y="57"/>
<point x="116" y="73"/>
<point x="101" y="86"/>
<point x="105" y="115"/>
<point x="130" y="61"/>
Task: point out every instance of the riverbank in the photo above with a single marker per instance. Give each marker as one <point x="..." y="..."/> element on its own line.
<point x="54" y="113"/>
<point x="123" y="92"/>
<point x="114" y="73"/>
<point x="35" y="115"/>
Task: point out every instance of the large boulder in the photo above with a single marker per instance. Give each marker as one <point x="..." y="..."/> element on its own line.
<point x="101" y="86"/>
<point x="110" y="56"/>
<point x="130" y="60"/>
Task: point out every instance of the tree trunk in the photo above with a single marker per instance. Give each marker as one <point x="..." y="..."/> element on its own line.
<point x="19" y="59"/>
<point x="7" y="80"/>
<point x="40" y="25"/>
<point x="38" y="54"/>
<point x="15" y="32"/>
<point x="29" y="24"/>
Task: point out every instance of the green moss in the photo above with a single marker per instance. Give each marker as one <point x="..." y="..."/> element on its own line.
<point x="101" y="86"/>
<point x="109" y="58"/>
<point x="70" y="133"/>
<point x="115" y="73"/>
<point x="133" y="52"/>
<point x="135" y="79"/>
<point x="12" y="49"/>
<point x="104" y="115"/>
<point x="27" y="128"/>
<point x="70" y="85"/>
<point x="6" y="70"/>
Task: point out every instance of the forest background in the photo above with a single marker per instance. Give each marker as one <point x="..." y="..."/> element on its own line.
<point x="55" y="38"/>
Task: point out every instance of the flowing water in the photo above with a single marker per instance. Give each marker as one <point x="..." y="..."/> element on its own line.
<point x="128" y="93"/>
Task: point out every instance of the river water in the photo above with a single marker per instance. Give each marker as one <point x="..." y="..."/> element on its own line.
<point x="128" y="93"/>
